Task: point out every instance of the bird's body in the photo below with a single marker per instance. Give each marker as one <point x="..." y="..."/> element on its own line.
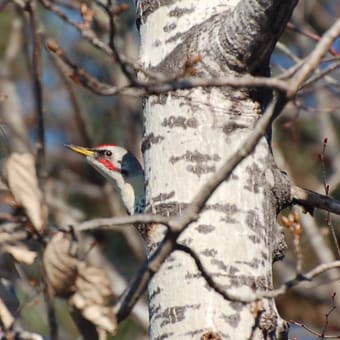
<point x="122" y="169"/>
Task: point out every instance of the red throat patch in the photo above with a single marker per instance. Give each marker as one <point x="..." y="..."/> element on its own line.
<point x="107" y="164"/>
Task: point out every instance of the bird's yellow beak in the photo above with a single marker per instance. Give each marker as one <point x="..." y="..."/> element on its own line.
<point x="81" y="150"/>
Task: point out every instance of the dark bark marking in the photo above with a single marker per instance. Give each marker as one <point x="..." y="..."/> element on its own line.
<point x="163" y="196"/>
<point x="171" y="258"/>
<point x="225" y="208"/>
<point x="236" y="306"/>
<point x="253" y="264"/>
<point x="253" y="222"/>
<point x="228" y="219"/>
<point x="254" y="238"/>
<point x="175" y="37"/>
<point x="193" y="333"/>
<point x="233" y="270"/>
<point x="205" y="228"/>
<point x="156" y="44"/>
<point x="187" y="241"/>
<point x="264" y="255"/>
<point x="170" y="27"/>
<point x="230" y="127"/>
<point x="233" y="319"/>
<point x="175" y="314"/>
<point x="167" y="209"/>
<point x="228" y="209"/>
<point x="178" y="12"/>
<point x="153" y="309"/>
<point x="190" y="276"/>
<point x="258" y="282"/>
<point x="256" y="178"/>
<point x="154" y="293"/>
<point x="209" y="252"/>
<point x="219" y="264"/>
<point x="234" y="176"/>
<point x="195" y="157"/>
<point x="160" y="99"/>
<point x="199" y="159"/>
<point x="164" y="336"/>
<point x="147" y="7"/>
<point x="150" y="140"/>
<point x="180" y="121"/>
<point x="200" y="170"/>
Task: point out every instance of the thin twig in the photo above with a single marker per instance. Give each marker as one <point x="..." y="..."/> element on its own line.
<point x="321" y="75"/>
<point x="310" y="35"/>
<point x="111" y="223"/>
<point x="306" y="198"/>
<point x="315" y="58"/>
<point x="79" y="115"/>
<point x="128" y="71"/>
<point x="326" y="188"/>
<point x="88" y="34"/>
<point x="312" y="331"/>
<point x="331" y="310"/>
<point x="38" y="87"/>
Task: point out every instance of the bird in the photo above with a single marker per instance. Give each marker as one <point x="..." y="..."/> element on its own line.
<point x="122" y="169"/>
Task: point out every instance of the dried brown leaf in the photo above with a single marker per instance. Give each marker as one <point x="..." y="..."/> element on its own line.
<point x="21" y="177"/>
<point x="93" y="297"/>
<point x="61" y="264"/>
<point x="20" y="253"/>
<point x="6" y="318"/>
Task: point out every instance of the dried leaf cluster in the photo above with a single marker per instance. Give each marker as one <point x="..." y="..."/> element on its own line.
<point x="87" y="288"/>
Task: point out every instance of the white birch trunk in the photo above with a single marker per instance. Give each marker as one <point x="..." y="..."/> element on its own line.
<point x="188" y="135"/>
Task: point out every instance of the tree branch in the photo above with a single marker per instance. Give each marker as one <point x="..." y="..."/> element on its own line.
<point x="111" y="223"/>
<point x="314" y="58"/>
<point x="38" y="87"/>
<point x="310" y="200"/>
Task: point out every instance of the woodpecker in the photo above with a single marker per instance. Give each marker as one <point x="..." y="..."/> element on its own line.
<point x="122" y="169"/>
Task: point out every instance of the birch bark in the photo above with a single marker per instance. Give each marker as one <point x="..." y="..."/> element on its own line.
<point x="188" y="135"/>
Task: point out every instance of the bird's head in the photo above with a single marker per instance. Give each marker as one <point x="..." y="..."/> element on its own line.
<point x="120" y="167"/>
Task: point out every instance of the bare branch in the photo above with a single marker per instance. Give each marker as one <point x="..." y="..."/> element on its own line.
<point x="309" y="276"/>
<point x="315" y="58"/>
<point x="111" y="223"/>
<point x="310" y="200"/>
<point x="204" y="273"/>
<point x="79" y="115"/>
<point x="37" y="86"/>
<point x="91" y="37"/>
<point x="164" y="86"/>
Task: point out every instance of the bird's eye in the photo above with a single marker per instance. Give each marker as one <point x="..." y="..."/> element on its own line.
<point x="108" y="153"/>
